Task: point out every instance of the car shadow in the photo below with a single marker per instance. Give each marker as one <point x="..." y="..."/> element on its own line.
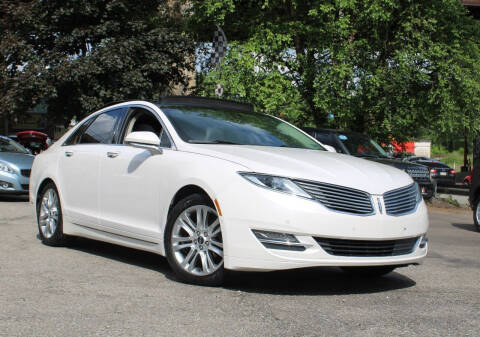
<point x="122" y="254"/>
<point x="316" y="281"/>
<point x="311" y="281"/>
<point x="467" y="227"/>
<point x="13" y="198"/>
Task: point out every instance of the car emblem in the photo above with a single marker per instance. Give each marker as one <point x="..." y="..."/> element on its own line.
<point x="380" y="207"/>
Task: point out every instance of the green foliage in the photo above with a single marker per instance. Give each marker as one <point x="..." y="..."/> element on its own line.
<point x="80" y="55"/>
<point x="386" y="67"/>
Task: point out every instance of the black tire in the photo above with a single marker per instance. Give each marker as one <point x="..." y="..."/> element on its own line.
<point x="374" y="271"/>
<point x="214" y="279"/>
<point x="476" y="214"/>
<point x="57" y="238"/>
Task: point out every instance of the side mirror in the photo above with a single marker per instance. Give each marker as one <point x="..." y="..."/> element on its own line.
<point x="329" y="148"/>
<point x="145" y="139"/>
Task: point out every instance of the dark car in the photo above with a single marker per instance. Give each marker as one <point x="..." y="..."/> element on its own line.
<point x="359" y="145"/>
<point x="442" y="173"/>
<point x="475" y="187"/>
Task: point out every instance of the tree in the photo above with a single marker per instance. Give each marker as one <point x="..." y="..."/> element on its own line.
<point x="80" y="55"/>
<point x="386" y="67"/>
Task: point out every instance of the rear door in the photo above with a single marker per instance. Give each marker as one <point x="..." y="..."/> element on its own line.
<point x="79" y="167"/>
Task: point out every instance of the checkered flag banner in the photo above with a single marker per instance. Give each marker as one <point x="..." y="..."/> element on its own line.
<point x="219" y="47"/>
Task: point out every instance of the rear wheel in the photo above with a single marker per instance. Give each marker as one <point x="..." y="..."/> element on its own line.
<point x="193" y="241"/>
<point x="476" y="214"/>
<point x="374" y="271"/>
<point x="49" y="217"/>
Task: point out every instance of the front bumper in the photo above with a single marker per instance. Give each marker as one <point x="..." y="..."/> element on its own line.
<point x="307" y="219"/>
<point x="17" y="183"/>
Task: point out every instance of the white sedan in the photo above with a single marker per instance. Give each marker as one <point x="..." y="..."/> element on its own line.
<point x="212" y="185"/>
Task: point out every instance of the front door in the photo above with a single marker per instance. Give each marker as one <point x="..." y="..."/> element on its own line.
<point x="131" y="181"/>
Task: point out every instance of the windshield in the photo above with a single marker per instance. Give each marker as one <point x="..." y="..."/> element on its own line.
<point x="219" y="126"/>
<point x="8" y="145"/>
<point x="362" y="146"/>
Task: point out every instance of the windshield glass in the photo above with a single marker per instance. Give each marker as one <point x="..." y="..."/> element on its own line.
<point x="220" y="126"/>
<point x="362" y="146"/>
<point x="8" y="145"/>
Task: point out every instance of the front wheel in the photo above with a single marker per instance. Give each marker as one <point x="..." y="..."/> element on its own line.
<point x="193" y="241"/>
<point x="476" y="214"/>
<point x="374" y="271"/>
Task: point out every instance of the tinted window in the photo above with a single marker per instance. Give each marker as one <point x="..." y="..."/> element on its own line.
<point x="102" y="130"/>
<point x="221" y="126"/>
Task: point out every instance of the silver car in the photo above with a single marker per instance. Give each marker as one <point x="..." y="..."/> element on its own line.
<point x="15" y="167"/>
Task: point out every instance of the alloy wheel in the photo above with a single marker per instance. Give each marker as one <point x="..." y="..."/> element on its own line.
<point x="197" y="240"/>
<point x="48" y="219"/>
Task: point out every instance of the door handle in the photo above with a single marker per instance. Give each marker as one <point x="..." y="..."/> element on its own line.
<point x="68" y="153"/>
<point x="112" y="154"/>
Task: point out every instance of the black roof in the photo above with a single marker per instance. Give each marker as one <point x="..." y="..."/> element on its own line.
<point x="205" y="102"/>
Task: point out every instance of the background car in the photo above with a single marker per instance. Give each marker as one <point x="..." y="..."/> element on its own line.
<point x="35" y="141"/>
<point x="212" y="185"/>
<point x="360" y="145"/>
<point x="443" y="174"/>
<point x="15" y="167"/>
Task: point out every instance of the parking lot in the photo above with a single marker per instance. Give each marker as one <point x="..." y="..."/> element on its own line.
<point x="94" y="288"/>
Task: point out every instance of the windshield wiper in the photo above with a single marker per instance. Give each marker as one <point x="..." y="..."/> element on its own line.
<point x="365" y="155"/>
<point x="213" y="141"/>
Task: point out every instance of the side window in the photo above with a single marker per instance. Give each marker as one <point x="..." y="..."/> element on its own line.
<point x="144" y="120"/>
<point x="102" y="129"/>
<point x="75" y="137"/>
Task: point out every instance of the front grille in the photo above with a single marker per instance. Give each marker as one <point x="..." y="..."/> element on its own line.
<point x="25" y="186"/>
<point x="338" y="198"/>
<point x="26" y="173"/>
<point x="419" y="174"/>
<point x="361" y="248"/>
<point x="401" y="201"/>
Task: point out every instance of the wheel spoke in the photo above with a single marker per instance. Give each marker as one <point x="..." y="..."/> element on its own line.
<point x="212" y="230"/>
<point x="217" y="243"/>
<point x="205" y="265"/>
<point x="200" y="218"/>
<point x="187" y="222"/>
<point x="191" y="264"/>
<point x="182" y="246"/>
<point x="177" y="239"/>
<point x="216" y="250"/>
<point x="210" y="260"/>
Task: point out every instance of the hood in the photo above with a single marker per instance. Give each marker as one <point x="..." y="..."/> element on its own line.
<point x="322" y="166"/>
<point x="20" y="160"/>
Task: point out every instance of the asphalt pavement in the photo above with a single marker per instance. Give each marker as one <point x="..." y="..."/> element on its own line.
<point x="98" y="289"/>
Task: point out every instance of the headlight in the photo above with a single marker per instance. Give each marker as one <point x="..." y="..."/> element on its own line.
<point x="5" y="168"/>
<point x="419" y="195"/>
<point x="275" y="183"/>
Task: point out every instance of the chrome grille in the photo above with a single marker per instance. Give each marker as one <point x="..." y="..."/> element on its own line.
<point x="401" y="201"/>
<point x="419" y="173"/>
<point x="338" y="198"/>
<point x="340" y="247"/>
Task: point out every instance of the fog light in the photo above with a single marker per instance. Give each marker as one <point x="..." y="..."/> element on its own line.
<point x="276" y="240"/>
<point x="5" y="185"/>
<point x="423" y="242"/>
